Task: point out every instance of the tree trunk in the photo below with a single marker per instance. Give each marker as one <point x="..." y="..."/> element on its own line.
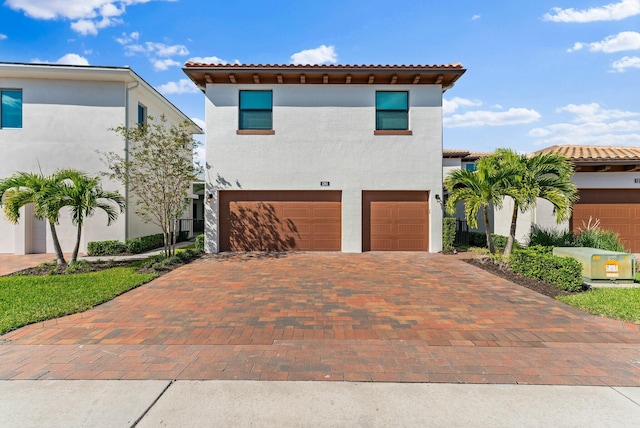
<point x="485" y="211"/>
<point x="56" y="245"/>
<point x="74" y="255"/>
<point x="512" y="230"/>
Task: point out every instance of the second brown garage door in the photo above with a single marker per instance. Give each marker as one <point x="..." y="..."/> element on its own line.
<point x="617" y="210"/>
<point x="395" y="221"/>
<point x="280" y="221"/>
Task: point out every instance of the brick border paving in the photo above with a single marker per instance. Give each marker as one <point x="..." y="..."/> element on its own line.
<point x="401" y="317"/>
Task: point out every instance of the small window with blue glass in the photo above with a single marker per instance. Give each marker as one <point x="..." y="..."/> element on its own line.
<point x="142" y="115"/>
<point x="11" y="108"/>
<point x="392" y="111"/>
<point x="256" y="110"/>
<point x="470" y="167"/>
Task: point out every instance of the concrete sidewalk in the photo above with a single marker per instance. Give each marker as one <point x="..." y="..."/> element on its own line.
<point x="312" y="404"/>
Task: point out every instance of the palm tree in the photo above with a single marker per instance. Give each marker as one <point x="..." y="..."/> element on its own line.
<point x="24" y="188"/>
<point x="545" y="176"/>
<point x="83" y="195"/>
<point x="477" y="189"/>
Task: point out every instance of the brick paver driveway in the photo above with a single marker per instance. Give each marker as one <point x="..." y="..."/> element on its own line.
<point x="330" y="316"/>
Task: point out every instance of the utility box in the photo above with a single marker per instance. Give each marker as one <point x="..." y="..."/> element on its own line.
<point x="601" y="265"/>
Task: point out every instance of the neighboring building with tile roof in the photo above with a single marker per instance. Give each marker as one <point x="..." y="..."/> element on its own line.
<point x="608" y="182"/>
<point x="59" y="116"/>
<point x="324" y="157"/>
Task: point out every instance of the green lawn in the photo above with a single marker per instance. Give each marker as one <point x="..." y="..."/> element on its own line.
<point x="618" y="303"/>
<point x="28" y="299"/>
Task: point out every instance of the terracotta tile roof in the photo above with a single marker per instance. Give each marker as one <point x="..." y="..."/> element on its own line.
<point x="464" y="154"/>
<point x="245" y="74"/>
<point x="190" y="64"/>
<point x="595" y="153"/>
<point x="454" y="153"/>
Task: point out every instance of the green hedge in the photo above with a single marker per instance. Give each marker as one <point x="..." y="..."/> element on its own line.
<point x="132" y="246"/>
<point x="479" y="239"/>
<point x="200" y="243"/>
<point x="539" y="263"/>
<point x="448" y="233"/>
<point x="105" y="248"/>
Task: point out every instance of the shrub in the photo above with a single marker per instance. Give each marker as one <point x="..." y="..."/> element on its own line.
<point x="200" y="243"/>
<point x="551" y="237"/>
<point x="479" y="239"/>
<point x="539" y="263"/>
<point x="602" y="239"/>
<point x="145" y="243"/>
<point x="105" y="248"/>
<point x="448" y="233"/>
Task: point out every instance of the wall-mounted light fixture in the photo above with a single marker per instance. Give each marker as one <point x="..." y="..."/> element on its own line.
<point x="209" y="197"/>
<point x="438" y="200"/>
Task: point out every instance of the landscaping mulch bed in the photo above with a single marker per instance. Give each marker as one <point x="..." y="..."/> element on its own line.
<point x="530" y="283"/>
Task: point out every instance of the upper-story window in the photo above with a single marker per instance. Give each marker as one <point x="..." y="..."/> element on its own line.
<point x="256" y="110"/>
<point x="392" y="111"/>
<point x="11" y="108"/>
<point x="142" y="115"/>
<point x="470" y="167"/>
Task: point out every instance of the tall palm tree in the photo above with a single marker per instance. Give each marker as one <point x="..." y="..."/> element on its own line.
<point x="83" y="195"/>
<point x="477" y="189"/>
<point x="545" y="176"/>
<point x="44" y="192"/>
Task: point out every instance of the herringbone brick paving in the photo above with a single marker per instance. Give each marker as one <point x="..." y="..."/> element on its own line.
<point x="410" y="317"/>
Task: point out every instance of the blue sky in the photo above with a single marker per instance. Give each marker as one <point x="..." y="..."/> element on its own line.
<point x="539" y="72"/>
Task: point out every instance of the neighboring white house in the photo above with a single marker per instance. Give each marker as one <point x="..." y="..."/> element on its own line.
<point x="60" y="116"/>
<point x="329" y="158"/>
<point x="608" y="182"/>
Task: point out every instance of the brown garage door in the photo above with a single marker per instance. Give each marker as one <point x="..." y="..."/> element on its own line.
<point x="395" y="221"/>
<point x="280" y="221"/>
<point x="617" y="210"/>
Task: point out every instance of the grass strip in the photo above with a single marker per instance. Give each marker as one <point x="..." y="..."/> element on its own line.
<point x="619" y="303"/>
<point x="28" y="299"/>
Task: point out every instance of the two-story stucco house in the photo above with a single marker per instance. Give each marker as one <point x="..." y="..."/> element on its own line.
<point x="60" y="116"/>
<point x="329" y="158"/>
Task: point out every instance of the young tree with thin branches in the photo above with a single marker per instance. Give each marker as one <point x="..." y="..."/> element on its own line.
<point x="158" y="169"/>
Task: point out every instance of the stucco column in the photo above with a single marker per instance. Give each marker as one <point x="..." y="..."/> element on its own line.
<point x="352" y="221"/>
<point x="211" y="220"/>
<point x="436" y="211"/>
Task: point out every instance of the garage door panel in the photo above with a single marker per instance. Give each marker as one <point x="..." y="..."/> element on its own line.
<point x="280" y="221"/>
<point x="395" y="221"/>
<point x="617" y="210"/>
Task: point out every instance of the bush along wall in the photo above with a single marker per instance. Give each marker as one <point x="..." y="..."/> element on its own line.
<point x="539" y="263"/>
<point x="132" y="246"/>
<point x="448" y="234"/>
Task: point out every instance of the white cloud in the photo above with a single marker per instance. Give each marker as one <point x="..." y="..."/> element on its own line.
<point x="625" y="62"/>
<point x="164" y="64"/>
<point x="320" y="55"/>
<point x="474" y="17"/>
<point x="211" y="60"/>
<point x="477" y="118"/>
<point x="625" y="41"/>
<point x="610" y="12"/>
<point x="87" y="16"/>
<point x="157" y="49"/>
<point x="68" y="59"/>
<point x="72" y="59"/>
<point x="591" y="124"/>
<point x="449" y="106"/>
<point x="126" y="39"/>
<point x="594" y="113"/>
<point x="3" y="36"/>
<point x="182" y="86"/>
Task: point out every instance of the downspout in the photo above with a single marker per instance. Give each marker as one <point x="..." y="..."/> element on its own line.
<point x="127" y="121"/>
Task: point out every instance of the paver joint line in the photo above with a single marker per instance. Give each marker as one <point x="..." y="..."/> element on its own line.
<point x="394" y="317"/>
